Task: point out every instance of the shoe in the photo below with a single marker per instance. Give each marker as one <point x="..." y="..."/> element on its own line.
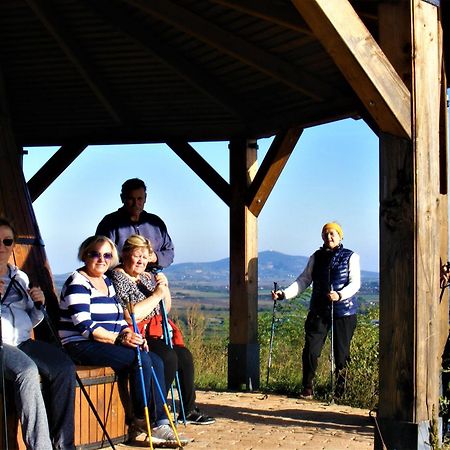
<point x="164" y="437"/>
<point x="197" y="418"/>
<point x="307" y="394"/>
<point x="136" y="428"/>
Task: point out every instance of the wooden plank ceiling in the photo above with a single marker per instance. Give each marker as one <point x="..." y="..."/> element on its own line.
<point x="128" y="71"/>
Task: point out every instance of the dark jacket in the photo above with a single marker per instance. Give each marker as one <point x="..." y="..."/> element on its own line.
<point x="118" y="227"/>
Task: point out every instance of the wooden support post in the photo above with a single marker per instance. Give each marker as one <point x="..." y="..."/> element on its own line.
<point x="243" y="349"/>
<point x="412" y="233"/>
<point x="15" y="204"/>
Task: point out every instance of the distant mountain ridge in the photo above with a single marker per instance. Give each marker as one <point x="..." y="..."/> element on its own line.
<point x="272" y="266"/>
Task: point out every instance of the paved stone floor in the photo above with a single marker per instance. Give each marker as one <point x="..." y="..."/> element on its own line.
<point x="247" y="421"/>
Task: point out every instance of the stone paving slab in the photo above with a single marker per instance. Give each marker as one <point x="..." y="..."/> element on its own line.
<point x="248" y="421"/>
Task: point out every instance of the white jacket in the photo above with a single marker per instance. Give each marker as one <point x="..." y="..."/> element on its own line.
<point x="19" y="315"/>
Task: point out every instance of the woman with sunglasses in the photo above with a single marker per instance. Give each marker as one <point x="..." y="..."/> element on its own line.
<point x="28" y="362"/>
<point x="94" y="332"/>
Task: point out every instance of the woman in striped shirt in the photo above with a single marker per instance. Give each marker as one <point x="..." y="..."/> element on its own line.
<point x="94" y="332"/>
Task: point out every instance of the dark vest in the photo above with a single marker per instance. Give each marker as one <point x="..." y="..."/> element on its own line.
<point x="331" y="272"/>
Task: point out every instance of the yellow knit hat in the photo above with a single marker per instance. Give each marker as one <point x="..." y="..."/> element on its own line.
<point x="334" y="226"/>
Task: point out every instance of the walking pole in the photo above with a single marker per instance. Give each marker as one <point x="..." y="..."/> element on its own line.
<point x="80" y="383"/>
<point x="168" y="341"/>
<point x="332" y="350"/>
<point x="155" y="378"/>
<point x="177" y="378"/>
<point x="130" y="308"/>
<point x="272" y="334"/>
<point x="57" y="340"/>
<point x="2" y="384"/>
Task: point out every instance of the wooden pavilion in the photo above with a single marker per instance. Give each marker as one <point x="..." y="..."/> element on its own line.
<point x="81" y="72"/>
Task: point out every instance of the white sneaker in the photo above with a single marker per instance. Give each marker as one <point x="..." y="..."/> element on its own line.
<point x="163" y="436"/>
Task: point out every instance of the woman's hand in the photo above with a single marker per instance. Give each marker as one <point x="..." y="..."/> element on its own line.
<point x="37" y="295"/>
<point x="131" y="339"/>
<point x="162" y="286"/>
<point x="278" y="295"/>
<point x="334" y="296"/>
<point x="160" y="278"/>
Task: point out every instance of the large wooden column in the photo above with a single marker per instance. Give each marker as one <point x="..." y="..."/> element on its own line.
<point x="15" y="204"/>
<point x="243" y="349"/>
<point x="413" y="235"/>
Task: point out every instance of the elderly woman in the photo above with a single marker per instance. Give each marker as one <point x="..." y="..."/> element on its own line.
<point x="93" y="330"/>
<point x="133" y="284"/>
<point x="27" y="362"/>
<point x="335" y="274"/>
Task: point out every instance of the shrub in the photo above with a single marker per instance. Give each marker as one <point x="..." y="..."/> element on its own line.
<point x="285" y="377"/>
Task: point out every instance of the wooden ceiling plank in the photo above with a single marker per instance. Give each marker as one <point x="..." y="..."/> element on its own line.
<point x="238" y="48"/>
<point x="278" y="14"/>
<point x="202" y="168"/>
<point x="76" y="55"/>
<point x="273" y="164"/>
<point x="361" y="61"/>
<point x="194" y="74"/>
<point x="53" y="168"/>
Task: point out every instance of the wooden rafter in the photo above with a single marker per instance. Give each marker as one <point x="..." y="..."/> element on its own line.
<point x="54" y="167"/>
<point x="202" y="168"/>
<point x="60" y="31"/>
<point x="196" y="75"/>
<point x="361" y="61"/>
<point x="280" y="14"/>
<point x="236" y="47"/>
<point x="271" y="168"/>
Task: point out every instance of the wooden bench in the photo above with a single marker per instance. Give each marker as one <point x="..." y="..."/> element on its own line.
<point x="102" y="387"/>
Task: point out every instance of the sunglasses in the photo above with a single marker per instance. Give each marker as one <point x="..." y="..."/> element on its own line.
<point x="97" y="255"/>
<point x="8" y="242"/>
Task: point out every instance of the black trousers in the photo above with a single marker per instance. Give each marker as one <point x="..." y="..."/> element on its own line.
<point x="316" y="331"/>
<point x="179" y="358"/>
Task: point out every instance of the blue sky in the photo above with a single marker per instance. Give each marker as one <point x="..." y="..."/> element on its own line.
<point x="331" y="175"/>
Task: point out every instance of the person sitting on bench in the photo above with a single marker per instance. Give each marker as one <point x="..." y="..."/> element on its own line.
<point x="94" y="332"/>
<point x="28" y="362"/>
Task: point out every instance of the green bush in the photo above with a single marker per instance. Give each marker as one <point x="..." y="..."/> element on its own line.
<point x="285" y="376"/>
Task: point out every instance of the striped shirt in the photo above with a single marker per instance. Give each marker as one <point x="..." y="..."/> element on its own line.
<point x="83" y="309"/>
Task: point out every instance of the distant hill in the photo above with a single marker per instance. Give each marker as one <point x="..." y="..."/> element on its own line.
<point x="272" y="266"/>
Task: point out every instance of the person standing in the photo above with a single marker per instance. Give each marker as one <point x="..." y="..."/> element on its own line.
<point x="47" y="420"/>
<point x="335" y="274"/>
<point x="131" y="218"/>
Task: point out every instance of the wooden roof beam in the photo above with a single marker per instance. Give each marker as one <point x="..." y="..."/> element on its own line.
<point x="53" y="168"/>
<point x="60" y="31"/>
<point x="192" y="73"/>
<point x="271" y="168"/>
<point x="280" y="14"/>
<point x="361" y="61"/>
<point x="203" y="169"/>
<point x="236" y="47"/>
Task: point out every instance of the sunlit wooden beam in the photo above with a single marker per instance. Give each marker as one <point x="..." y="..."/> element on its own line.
<point x="362" y="62"/>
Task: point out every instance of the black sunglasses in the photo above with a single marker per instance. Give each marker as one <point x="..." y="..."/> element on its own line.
<point x="97" y="255"/>
<point x="8" y="242"/>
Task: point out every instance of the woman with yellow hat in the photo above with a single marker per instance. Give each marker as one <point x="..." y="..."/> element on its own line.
<point x="335" y="274"/>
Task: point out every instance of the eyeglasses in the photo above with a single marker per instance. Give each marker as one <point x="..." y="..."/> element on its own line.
<point x="7" y="242"/>
<point x="97" y="255"/>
